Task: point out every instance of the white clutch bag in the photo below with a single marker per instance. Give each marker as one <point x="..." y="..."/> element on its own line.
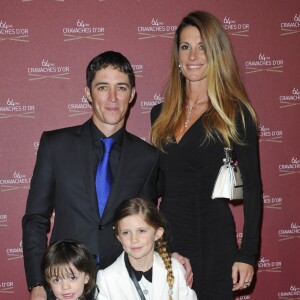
<point x="229" y="183"/>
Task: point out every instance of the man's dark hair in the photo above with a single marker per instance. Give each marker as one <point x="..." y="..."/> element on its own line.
<point x="109" y="59"/>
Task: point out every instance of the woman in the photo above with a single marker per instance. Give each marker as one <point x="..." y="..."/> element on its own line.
<point x="205" y="109"/>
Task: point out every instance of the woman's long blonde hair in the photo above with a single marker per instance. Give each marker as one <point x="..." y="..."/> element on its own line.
<point x="226" y="91"/>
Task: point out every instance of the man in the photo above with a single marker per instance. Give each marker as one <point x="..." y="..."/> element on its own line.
<point x="65" y="171"/>
<point x="66" y="167"/>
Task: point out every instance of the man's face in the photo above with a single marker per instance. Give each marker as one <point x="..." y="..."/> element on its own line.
<point x="110" y="96"/>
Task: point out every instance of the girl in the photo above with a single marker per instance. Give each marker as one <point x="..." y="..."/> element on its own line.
<point x="140" y="272"/>
<point x="69" y="270"/>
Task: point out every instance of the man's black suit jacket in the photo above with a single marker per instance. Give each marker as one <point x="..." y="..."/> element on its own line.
<point x="63" y="181"/>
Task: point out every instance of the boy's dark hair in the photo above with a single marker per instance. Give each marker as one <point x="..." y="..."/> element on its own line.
<point x="62" y="255"/>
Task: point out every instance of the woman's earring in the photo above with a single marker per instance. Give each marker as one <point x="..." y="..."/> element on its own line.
<point x="179" y="66"/>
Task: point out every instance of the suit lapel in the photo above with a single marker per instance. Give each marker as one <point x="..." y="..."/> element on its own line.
<point x="83" y="148"/>
<point x="124" y="280"/>
<point x="159" y="278"/>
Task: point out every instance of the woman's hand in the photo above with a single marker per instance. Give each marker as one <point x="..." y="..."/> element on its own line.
<point x="187" y="266"/>
<point x="242" y="275"/>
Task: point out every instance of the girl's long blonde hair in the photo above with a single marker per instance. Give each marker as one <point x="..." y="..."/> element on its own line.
<point x="153" y="218"/>
<point x="226" y="91"/>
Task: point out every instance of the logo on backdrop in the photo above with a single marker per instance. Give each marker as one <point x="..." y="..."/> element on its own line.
<point x="264" y="63"/>
<point x="6" y="287"/>
<point x="13" y="109"/>
<point x="146" y="106"/>
<point x="83" y="30"/>
<point x="15" y="253"/>
<point x="138" y="70"/>
<point x="239" y="237"/>
<point x="268" y="135"/>
<point x="9" y="33"/>
<point x="291" y="26"/>
<point x="272" y="202"/>
<point x="83" y="107"/>
<point x="270" y="266"/>
<point x="293" y="167"/>
<point x="293" y="291"/>
<point x="52" y="0"/>
<point x="3" y="220"/>
<point x="156" y="29"/>
<point x="233" y="27"/>
<point x="36" y="145"/>
<point x="244" y="297"/>
<point x="48" y="70"/>
<point x="290" y="100"/>
<point x="18" y="181"/>
<point x="290" y="233"/>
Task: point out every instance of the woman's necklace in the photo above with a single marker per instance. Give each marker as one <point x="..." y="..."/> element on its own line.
<point x="187" y="121"/>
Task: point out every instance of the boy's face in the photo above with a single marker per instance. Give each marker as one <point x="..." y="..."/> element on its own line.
<point x="68" y="286"/>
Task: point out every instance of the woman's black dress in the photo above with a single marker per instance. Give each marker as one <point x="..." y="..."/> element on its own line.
<point x="203" y="229"/>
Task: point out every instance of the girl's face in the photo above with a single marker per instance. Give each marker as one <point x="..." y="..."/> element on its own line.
<point x="191" y="55"/>
<point x="68" y="286"/>
<point x="138" y="239"/>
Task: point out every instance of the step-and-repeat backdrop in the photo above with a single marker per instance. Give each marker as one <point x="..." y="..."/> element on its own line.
<point x="45" y="47"/>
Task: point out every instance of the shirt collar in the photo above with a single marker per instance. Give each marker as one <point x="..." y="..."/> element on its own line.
<point x="97" y="135"/>
<point x="138" y="274"/>
<point x="147" y="274"/>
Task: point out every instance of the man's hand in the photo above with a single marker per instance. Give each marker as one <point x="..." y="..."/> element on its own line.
<point x="242" y="275"/>
<point x="38" y="293"/>
<point x="187" y="266"/>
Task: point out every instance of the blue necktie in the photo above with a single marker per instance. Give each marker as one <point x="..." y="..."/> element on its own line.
<point x="104" y="176"/>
